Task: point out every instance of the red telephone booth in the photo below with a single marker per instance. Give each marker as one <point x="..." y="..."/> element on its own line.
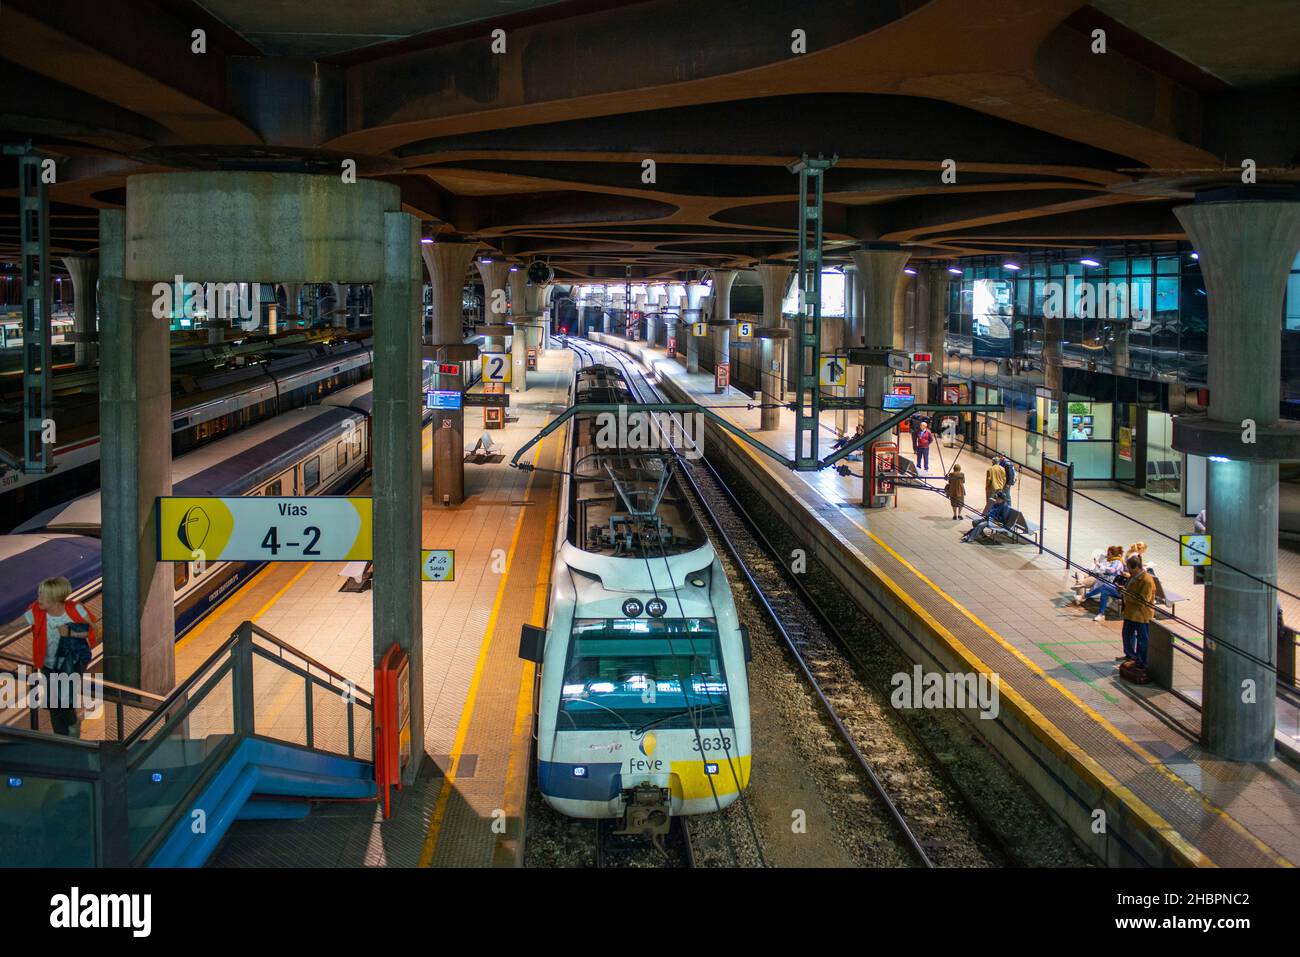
<point x="392" y="717"/>
<point x="882" y="468"/>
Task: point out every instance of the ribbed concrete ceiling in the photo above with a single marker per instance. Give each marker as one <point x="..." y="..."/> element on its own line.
<point x="1245" y="44"/>
<point x="280" y="29"/>
<point x="540" y="151"/>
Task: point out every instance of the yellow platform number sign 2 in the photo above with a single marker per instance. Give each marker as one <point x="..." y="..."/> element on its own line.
<point x="252" y="529"/>
<point x="496" y="367"/>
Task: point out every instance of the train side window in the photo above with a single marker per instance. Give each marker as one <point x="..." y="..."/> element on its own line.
<point x="340" y="455"/>
<point x="356" y="440"/>
<point x="181" y="571"/>
<point x="311" y="473"/>
<point x="275" y="488"/>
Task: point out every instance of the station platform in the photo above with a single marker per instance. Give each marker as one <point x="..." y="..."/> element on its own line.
<point x="466" y="808"/>
<point x="1084" y="739"/>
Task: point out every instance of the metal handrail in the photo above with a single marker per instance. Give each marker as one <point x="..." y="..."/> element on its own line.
<point x="311" y="662"/>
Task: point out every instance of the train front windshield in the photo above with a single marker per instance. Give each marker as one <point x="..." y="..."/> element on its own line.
<point x="644" y="674"/>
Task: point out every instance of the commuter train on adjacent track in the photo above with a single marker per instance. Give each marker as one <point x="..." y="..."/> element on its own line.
<point x="643" y="710"/>
<point x="318" y="450"/>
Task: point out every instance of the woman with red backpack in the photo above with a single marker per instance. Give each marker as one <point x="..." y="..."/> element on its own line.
<point x="54" y="620"/>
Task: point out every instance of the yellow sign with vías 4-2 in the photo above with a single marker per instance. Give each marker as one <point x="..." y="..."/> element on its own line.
<point x="254" y="528"/>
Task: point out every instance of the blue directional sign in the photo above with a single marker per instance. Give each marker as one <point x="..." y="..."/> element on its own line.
<point x="442" y="399"/>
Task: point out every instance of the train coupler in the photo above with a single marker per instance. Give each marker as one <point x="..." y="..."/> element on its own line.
<point x="648" y="812"/>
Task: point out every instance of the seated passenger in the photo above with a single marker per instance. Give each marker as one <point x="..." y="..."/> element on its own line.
<point x="846" y="439"/>
<point x="997" y="514"/>
<point x="1105" y="581"/>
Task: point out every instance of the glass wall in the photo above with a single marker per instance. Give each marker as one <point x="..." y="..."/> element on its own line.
<point x="1164" y="470"/>
<point x="1090" y="439"/>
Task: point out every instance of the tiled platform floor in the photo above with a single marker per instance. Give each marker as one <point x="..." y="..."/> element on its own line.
<point x="1012" y="606"/>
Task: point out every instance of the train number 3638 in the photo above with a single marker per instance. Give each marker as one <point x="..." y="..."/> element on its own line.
<point x="712" y="744"/>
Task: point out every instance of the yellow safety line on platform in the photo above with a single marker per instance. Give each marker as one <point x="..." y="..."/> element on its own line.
<point x="467" y="713"/>
<point x="519" y="752"/>
<point x="1074" y="699"/>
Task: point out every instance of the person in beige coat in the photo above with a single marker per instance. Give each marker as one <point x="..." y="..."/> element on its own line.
<point x="956" y="490"/>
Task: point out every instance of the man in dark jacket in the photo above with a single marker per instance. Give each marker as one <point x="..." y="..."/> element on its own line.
<point x="997" y="514"/>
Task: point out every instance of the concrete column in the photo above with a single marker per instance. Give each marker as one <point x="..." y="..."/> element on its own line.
<point x="84" y="271"/>
<point x="721" y="324"/>
<point x="1054" y="376"/>
<point x="519" y="355"/>
<point x="354" y="305"/>
<point x="692" y="346"/>
<point x="339" y="314"/>
<point x="494" y="275"/>
<point x="900" y="312"/>
<point x="772" y="374"/>
<point x="937" y="315"/>
<point x="398" y="317"/>
<point x="272" y="317"/>
<point x="292" y="291"/>
<point x="1246" y="250"/>
<point x="879" y="265"/>
<point x="775" y="280"/>
<point x="695" y="292"/>
<point x="447" y="264"/>
<point x="135" y="468"/>
<point x="518" y="280"/>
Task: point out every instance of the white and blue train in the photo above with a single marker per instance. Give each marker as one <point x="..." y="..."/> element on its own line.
<point x="643" y="709"/>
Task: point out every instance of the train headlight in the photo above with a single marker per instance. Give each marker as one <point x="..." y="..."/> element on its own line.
<point x="698" y="582"/>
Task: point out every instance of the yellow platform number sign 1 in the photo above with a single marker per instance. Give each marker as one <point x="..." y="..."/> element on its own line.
<point x="257" y="529"/>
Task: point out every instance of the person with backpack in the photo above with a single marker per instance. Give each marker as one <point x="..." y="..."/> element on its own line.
<point x="995" y="480"/>
<point x="1010" y="469"/>
<point x="923" y="442"/>
<point x="55" y="648"/>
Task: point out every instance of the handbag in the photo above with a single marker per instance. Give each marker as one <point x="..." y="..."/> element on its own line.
<point x="73" y="654"/>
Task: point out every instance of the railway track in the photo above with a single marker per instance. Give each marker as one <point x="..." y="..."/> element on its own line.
<point x="929" y="817"/>
<point x="621" y="850"/>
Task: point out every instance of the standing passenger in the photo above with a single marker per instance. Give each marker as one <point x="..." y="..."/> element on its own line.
<point x="923" y="441"/>
<point x="956" y="490"/>
<point x="995" y="480"/>
<point x="1139" y="611"/>
<point x="49" y="617"/>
